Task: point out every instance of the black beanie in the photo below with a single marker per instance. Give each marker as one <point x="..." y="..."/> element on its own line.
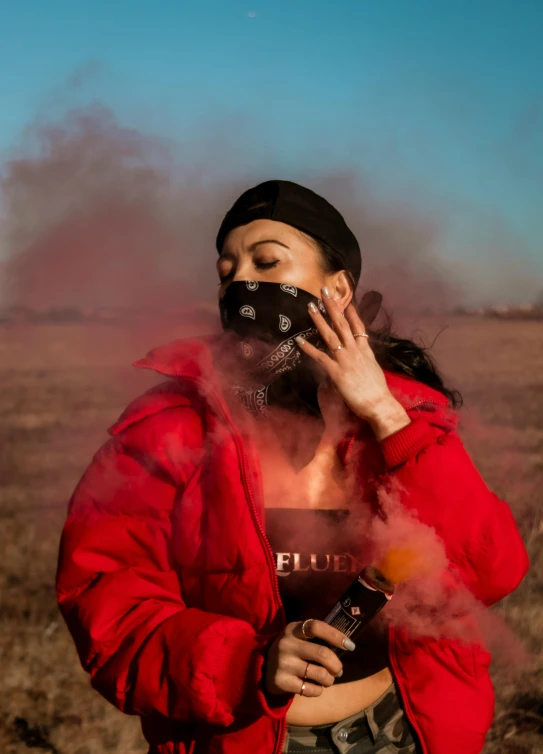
<point x="299" y="207"/>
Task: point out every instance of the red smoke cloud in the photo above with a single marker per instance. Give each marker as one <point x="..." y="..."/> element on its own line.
<point x="92" y="220"/>
<point x="98" y="215"/>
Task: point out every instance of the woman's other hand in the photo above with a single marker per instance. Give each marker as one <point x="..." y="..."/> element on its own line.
<point x="292" y="659"/>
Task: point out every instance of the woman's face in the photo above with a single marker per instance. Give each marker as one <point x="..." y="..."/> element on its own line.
<point x="273" y="252"/>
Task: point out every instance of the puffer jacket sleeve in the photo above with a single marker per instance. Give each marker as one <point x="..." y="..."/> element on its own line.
<point x="146" y="651"/>
<point x="438" y="481"/>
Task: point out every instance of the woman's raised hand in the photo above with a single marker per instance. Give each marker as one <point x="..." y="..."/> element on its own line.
<point x="353" y="369"/>
<point x="292" y="660"/>
<point x="350" y="363"/>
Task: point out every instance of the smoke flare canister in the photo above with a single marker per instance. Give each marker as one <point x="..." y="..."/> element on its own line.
<point x="359" y="604"/>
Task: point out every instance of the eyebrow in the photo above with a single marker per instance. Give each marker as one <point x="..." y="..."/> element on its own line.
<point x="254" y="246"/>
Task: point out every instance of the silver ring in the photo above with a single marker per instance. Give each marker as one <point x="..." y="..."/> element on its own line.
<point x="360" y="335"/>
<point x="337" y="349"/>
<point x="306" y="669"/>
<point x="302" y="689"/>
<point x="308" y="620"/>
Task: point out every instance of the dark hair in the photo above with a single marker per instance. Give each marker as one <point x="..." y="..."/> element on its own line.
<point x="391" y="352"/>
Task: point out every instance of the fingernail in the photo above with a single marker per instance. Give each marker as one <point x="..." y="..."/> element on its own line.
<point x="299" y="340"/>
<point x="326" y="292"/>
<point x="349" y="645"/>
<point x="312" y="308"/>
<point x="338" y="675"/>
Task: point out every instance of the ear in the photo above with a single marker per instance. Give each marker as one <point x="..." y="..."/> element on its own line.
<point x="342" y="290"/>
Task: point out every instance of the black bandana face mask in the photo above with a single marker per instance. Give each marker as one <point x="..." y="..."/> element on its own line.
<point x="265" y="318"/>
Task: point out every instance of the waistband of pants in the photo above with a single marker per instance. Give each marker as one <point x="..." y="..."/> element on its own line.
<point x="379" y="712"/>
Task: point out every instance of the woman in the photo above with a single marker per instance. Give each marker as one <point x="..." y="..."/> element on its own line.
<point x="184" y="612"/>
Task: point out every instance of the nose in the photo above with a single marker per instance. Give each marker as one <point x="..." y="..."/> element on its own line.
<point x="243" y="271"/>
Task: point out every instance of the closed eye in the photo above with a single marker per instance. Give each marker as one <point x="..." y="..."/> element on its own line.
<point x="258" y="265"/>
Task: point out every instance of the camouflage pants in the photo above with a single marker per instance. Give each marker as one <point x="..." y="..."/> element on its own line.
<point x="382" y="728"/>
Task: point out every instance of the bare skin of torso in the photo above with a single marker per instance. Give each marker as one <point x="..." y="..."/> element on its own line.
<point x="319" y="483"/>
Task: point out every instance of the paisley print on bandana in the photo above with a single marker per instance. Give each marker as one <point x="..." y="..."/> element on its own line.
<point x="246" y="350"/>
<point x="284" y="323"/>
<point x="290" y="289"/>
<point x="248" y="311"/>
<point x="253" y="397"/>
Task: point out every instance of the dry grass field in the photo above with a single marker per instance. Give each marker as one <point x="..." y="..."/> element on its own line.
<point x="61" y="386"/>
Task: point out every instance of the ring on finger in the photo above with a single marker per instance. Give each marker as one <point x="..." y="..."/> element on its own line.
<point x="302" y="689"/>
<point x="360" y="335"/>
<point x="306" y="669"/>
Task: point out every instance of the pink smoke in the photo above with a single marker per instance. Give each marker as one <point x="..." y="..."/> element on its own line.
<point x="432" y="602"/>
<point x="97" y="214"/>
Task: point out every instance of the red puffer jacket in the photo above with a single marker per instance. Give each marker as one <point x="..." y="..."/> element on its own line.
<point x="168" y="586"/>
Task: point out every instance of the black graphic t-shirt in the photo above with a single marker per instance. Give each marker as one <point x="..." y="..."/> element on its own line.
<point x="318" y="555"/>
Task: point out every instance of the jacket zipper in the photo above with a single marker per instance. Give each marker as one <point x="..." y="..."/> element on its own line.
<point x="269" y="553"/>
<point x="256" y="519"/>
<point x="252" y="505"/>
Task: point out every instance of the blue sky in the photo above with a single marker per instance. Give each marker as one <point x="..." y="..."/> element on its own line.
<point x="438" y="100"/>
